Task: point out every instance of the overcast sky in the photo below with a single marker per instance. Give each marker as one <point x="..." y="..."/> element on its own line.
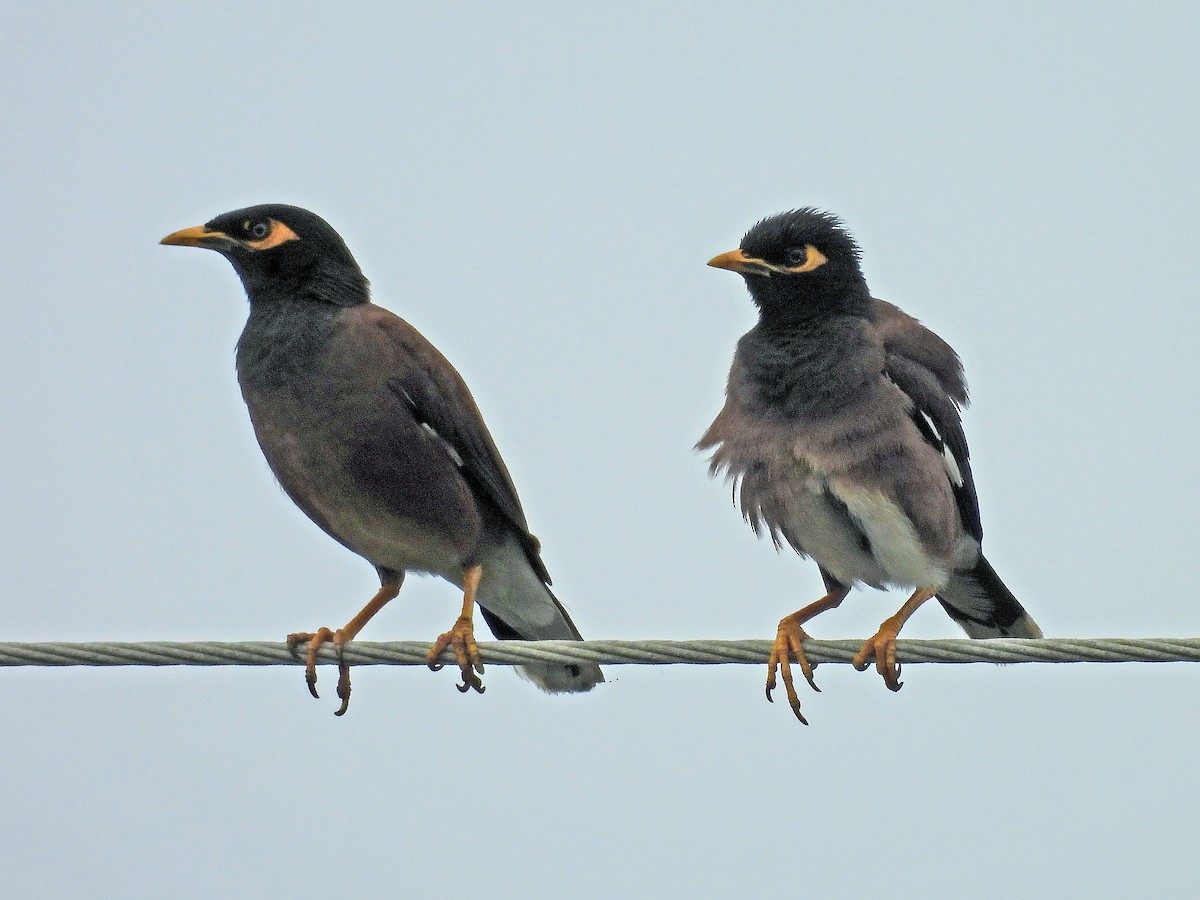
<point x="537" y="188"/>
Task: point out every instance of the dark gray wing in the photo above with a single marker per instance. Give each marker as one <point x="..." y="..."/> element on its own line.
<point x="435" y="395"/>
<point x="936" y="415"/>
<point x="903" y="335"/>
<point x="449" y="413"/>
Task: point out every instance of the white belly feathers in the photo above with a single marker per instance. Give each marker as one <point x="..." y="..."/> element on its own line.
<point x="857" y="535"/>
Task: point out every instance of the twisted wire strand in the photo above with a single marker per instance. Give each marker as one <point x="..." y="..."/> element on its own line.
<point x="647" y="652"/>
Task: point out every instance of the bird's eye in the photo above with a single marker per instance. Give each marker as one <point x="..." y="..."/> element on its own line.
<point x="796" y="256"/>
<point x="260" y="230"/>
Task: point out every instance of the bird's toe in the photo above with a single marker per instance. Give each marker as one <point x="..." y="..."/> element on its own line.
<point x="789" y="646"/>
<point x="313" y="642"/>
<point x="881" y="648"/>
<point x="460" y="639"/>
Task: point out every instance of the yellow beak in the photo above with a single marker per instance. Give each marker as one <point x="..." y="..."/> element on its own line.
<point x="737" y="261"/>
<point x="199" y="236"/>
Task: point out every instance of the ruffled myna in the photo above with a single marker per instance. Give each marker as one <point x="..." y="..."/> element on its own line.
<point x="841" y="434"/>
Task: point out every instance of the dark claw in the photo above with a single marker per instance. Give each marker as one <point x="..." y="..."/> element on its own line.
<point x="466" y="656"/>
<point x="794" y="702"/>
<point x="310" y="678"/>
<point x="343" y="686"/>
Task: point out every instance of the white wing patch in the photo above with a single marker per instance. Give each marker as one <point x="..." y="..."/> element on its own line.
<point x="458" y="460"/>
<point x="952" y="468"/>
<point x="948" y="460"/>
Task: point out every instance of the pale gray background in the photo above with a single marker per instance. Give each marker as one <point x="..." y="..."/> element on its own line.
<point x="537" y="188"/>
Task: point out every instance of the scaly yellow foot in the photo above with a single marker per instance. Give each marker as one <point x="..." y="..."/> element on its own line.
<point x="315" y="641"/>
<point x="789" y="646"/>
<point x="881" y="648"/>
<point x="461" y="639"/>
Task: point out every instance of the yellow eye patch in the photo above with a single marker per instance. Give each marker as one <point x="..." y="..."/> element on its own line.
<point x="738" y="261"/>
<point x="279" y="234"/>
<point x="813" y="259"/>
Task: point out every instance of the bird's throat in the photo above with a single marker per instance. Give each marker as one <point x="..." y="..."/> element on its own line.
<point x="284" y="343"/>
<point x="807" y="370"/>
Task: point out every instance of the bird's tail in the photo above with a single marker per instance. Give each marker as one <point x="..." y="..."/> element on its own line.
<point x="517" y="605"/>
<point x="979" y="601"/>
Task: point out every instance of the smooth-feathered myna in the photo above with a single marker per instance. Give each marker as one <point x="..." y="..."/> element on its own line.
<point x="841" y="434"/>
<point x="376" y="438"/>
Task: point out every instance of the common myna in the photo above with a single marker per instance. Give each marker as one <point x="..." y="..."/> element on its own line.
<point x="841" y="435"/>
<point x="376" y="438"/>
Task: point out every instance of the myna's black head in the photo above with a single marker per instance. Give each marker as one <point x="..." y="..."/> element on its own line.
<point x="800" y="265"/>
<point x="280" y="252"/>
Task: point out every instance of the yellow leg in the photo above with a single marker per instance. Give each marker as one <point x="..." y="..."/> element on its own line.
<point x="882" y="647"/>
<point x="461" y="637"/>
<point x="789" y="645"/>
<point x="387" y="591"/>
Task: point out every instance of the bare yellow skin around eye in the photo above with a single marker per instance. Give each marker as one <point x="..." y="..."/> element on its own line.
<point x="738" y="261"/>
<point x="813" y="260"/>
<point x="279" y="234"/>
